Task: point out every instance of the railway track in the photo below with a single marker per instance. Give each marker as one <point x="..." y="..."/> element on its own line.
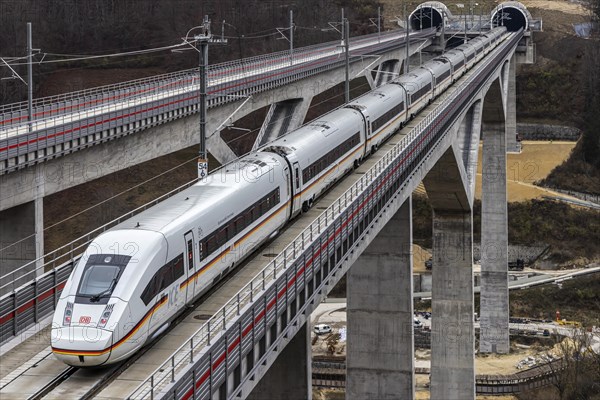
<point x="332" y="374"/>
<point x="45" y="377"/>
<point x="57" y="381"/>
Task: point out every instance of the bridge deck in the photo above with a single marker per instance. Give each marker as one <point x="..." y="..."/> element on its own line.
<point x="127" y="382"/>
<point x="63" y="127"/>
<point x="181" y="333"/>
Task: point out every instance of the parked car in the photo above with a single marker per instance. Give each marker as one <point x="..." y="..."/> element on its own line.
<point x="322" y="329"/>
<point x="429" y="264"/>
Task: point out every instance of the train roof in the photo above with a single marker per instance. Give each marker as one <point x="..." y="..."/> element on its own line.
<point x="206" y="195"/>
<point x="305" y="137"/>
<point x="378" y="96"/>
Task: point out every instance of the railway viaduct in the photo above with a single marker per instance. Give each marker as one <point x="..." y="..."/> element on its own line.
<point x="257" y="345"/>
<point x="80" y="137"/>
<point x="380" y="362"/>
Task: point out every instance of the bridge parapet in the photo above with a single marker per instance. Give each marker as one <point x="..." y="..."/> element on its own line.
<point x="256" y="324"/>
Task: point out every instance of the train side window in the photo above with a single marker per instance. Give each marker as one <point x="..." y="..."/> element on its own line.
<point x="201" y="250"/>
<point x="190" y="253"/>
<point x="150" y="290"/>
<point x="177" y="267"/>
<point x="221" y="237"/>
<point x="211" y="244"/>
<point x="239" y="224"/>
<point x="163" y="278"/>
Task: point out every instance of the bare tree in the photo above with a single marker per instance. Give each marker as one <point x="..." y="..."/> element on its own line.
<point x="576" y="372"/>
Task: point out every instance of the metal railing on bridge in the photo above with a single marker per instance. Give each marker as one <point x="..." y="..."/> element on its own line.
<point x="288" y="284"/>
<point x="145" y="107"/>
<point x="17" y="114"/>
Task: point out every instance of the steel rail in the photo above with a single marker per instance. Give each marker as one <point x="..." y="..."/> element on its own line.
<point x="41" y="104"/>
<point x="218" y="324"/>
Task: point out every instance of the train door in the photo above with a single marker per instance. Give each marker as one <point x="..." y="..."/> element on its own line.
<point x="368" y="131"/>
<point x="296" y="188"/>
<point x="189" y="264"/>
<point x="290" y="190"/>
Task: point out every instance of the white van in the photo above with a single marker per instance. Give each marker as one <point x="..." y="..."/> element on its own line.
<point x="321" y="329"/>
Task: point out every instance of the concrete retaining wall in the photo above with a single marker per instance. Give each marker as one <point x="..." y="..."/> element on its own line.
<point x="526" y="253"/>
<point x="547" y="132"/>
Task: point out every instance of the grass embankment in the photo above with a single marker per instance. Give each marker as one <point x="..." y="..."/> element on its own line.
<point x="577" y="300"/>
<point x="572" y="233"/>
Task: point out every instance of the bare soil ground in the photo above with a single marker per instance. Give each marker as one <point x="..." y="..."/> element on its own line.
<point x="420" y="255"/>
<point x="533" y="164"/>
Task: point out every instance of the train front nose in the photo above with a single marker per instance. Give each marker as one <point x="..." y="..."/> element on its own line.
<point x="81" y="346"/>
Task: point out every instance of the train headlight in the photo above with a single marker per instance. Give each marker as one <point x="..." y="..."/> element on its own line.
<point x="68" y="314"/>
<point x="105" y="315"/>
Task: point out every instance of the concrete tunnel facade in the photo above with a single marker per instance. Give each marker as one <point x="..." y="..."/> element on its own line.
<point x="429" y="14"/>
<point x="511" y="14"/>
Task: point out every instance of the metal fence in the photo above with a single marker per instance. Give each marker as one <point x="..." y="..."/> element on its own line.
<point x="21" y="288"/>
<point x="333" y="374"/>
<point x="17" y="113"/>
<point x="29" y="293"/>
<point x="144" y="107"/>
<point x="288" y="283"/>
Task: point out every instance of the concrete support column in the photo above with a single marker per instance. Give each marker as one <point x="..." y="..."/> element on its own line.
<point x="39" y="221"/>
<point x="17" y="242"/>
<point x="452" y="329"/>
<point x="494" y="336"/>
<point x="290" y="376"/>
<point x="380" y="350"/>
<point x="369" y="76"/>
<point x="511" y="109"/>
<point x="283" y="117"/>
<point x="300" y="113"/>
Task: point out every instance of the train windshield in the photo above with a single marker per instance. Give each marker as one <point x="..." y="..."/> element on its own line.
<point x="98" y="279"/>
<point x="100" y="276"/>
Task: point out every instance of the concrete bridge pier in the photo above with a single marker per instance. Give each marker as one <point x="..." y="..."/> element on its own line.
<point x="282" y="117"/>
<point x="22" y="233"/>
<point x="380" y="350"/>
<point x="17" y="237"/>
<point x="512" y="146"/>
<point x="453" y="335"/>
<point x="290" y="376"/>
<point x="387" y="71"/>
<point x="494" y="336"/>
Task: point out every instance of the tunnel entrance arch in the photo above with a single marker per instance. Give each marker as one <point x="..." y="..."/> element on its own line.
<point x="431" y="14"/>
<point x="512" y="14"/>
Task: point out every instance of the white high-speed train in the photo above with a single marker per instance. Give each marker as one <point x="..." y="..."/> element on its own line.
<point x="135" y="278"/>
